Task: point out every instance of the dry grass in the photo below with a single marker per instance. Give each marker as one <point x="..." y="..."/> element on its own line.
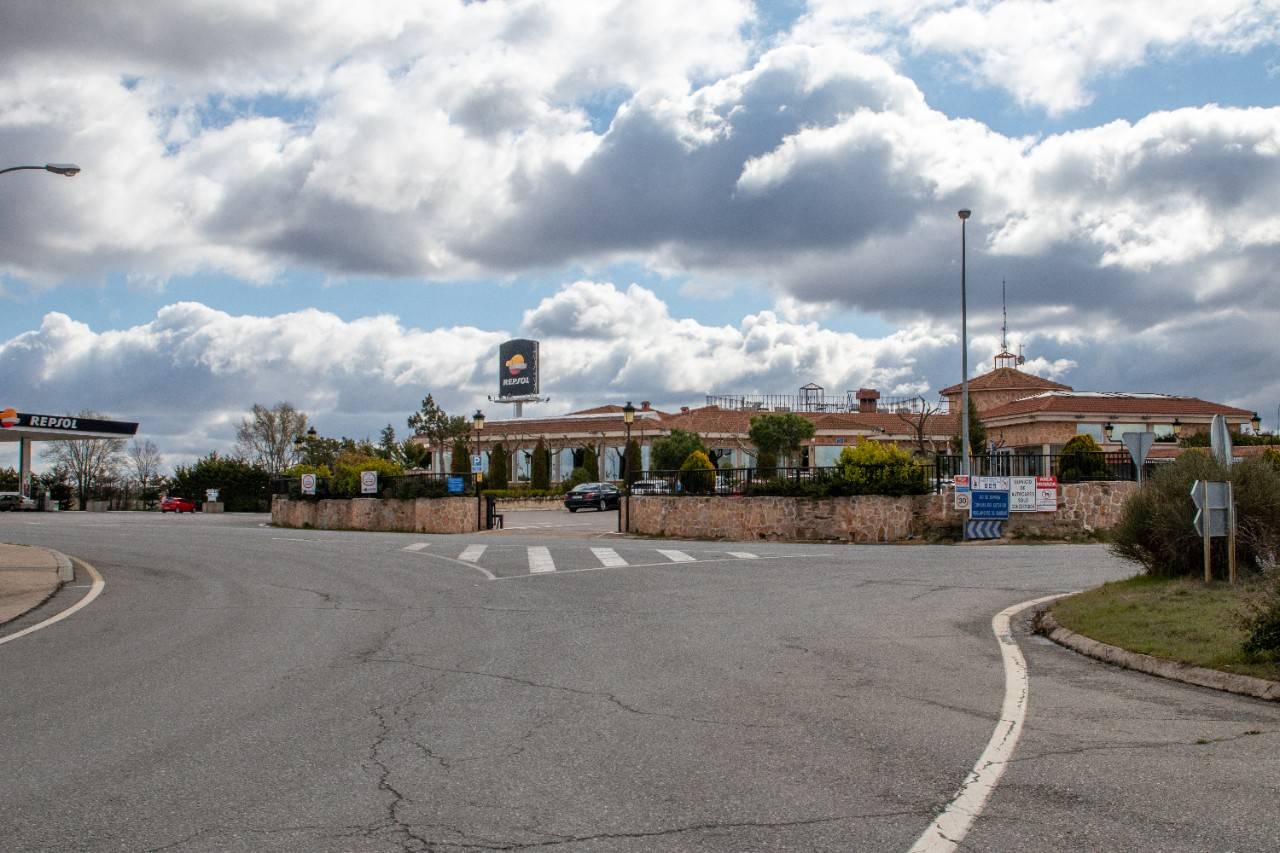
<point x="1175" y="619"/>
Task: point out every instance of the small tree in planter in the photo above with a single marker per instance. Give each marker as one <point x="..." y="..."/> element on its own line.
<point x="697" y="474"/>
<point x="1081" y="459"/>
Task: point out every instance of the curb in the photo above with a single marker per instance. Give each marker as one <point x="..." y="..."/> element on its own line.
<point x="1243" y="685"/>
<point x="66" y="573"/>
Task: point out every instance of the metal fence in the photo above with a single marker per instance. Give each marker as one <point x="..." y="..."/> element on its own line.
<point x="422" y="485"/>
<point x="1068" y="468"/>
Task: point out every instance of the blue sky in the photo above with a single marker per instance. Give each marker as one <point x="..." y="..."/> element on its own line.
<point x="738" y="199"/>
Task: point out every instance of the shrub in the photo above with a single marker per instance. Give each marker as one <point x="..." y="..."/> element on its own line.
<point x="298" y="470"/>
<point x="419" y="487"/>
<point x="670" y="452"/>
<point x="577" y="477"/>
<point x="1081" y="459"/>
<point x="242" y="486"/>
<point x="347" y="468"/>
<point x="460" y="457"/>
<point x="1156" y="525"/>
<point x="633" y="465"/>
<point x="766" y="464"/>
<point x="590" y="462"/>
<point x="499" y="471"/>
<point x="697" y="474"/>
<point x="540" y="469"/>
<point x="878" y="468"/>
<point x="1261" y="618"/>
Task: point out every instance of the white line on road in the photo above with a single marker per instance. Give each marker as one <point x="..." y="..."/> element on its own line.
<point x="94" y="592"/>
<point x="608" y="557"/>
<point x="416" y="546"/>
<point x="472" y="553"/>
<point x="743" y="555"/>
<point x="676" y="556"/>
<point x="949" y="828"/>
<point x="540" y="560"/>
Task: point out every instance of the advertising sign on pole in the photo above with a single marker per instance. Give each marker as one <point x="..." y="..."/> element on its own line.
<point x="1022" y="494"/>
<point x="368" y="482"/>
<point x="518" y="369"/>
<point x="308" y="484"/>
<point x="1046" y="494"/>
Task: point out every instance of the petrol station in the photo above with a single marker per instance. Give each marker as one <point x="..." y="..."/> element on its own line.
<point x="26" y="428"/>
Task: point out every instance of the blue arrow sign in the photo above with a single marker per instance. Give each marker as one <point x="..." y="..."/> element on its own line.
<point x="983" y="529"/>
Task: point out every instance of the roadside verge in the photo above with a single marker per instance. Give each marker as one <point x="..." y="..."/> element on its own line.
<point x="29" y="576"/>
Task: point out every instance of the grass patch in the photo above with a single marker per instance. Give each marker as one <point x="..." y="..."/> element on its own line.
<point x="1175" y="619"/>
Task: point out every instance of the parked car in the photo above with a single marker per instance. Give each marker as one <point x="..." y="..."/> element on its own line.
<point x="16" y="501"/>
<point x="650" y="487"/>
<point x="178" y="505"/>
<point x="602" y="496"/>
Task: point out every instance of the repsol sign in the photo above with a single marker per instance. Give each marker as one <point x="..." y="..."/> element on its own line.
<point x="53" y="422"/>
<point x="21" y="421"/>
<point x="518" y="368"/>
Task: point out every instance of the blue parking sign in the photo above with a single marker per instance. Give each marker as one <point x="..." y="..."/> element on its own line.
<point x="457" y="485"/>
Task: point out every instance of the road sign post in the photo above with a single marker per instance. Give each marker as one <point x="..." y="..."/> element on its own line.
<point x="1138" y="444"/>
<point x="1215" y="516"/>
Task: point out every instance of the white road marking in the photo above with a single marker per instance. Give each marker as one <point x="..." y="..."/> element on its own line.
<point x="472" y="553"/>
<point x="416" y="546"/>
<point x="94" y="591"/>
<point x="608" y="557"/>
<point x="743" y="555"/>
<point x="540" y="560"/>
<point x="949" y="828"/>
<point x="677" y="556"/>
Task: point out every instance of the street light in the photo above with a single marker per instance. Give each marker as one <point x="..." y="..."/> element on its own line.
<point x="68" y="169"/>
<point x="1177" y="427"/>
<point x="964" y="352"/>
<point x="1256" y="423"/>
<point x="302" y="443"/>
<point x="628" y="418"/>
<point x="1108" y="430"/>
<point x="478" y="420"/>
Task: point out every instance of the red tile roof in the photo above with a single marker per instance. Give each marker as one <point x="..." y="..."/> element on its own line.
<point x="1007" y="378"/>
<point x="1112" y="404"/>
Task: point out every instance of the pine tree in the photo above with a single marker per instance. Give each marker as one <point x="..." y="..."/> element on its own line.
<point x="499" y="475"/>
<point x="590" y="461"/>
<point x="633" y="462"/>
<point x="540" y="473"/>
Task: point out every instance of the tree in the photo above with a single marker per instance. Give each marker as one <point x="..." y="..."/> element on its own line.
<point x="437" y="426"/>
<point x="918" y="423"/>
<point x="977" y="434"/>
<point x="591" y="462"/>
<point x="414" y="454"/>
<point x="499" y="471"/>
<point x="461" y="461"/>
<point x="632" y="463"/>
<point x="8" y="479"/>
<point x="267" y="436"/>
<point x="780" y="434"/>
<point x="697" y="474"/>
<point x="540" y="468"/>
<point x="1081" y="459"/>
<point x="144" y="461"/>
<point x="669" y="452"/>
<point x="388" y="447"/>
<point x="88" y="464"/>
<point x="242" y="486"/>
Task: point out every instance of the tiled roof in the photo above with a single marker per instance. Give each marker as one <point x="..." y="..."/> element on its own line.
<point x="1112" y="404"/>
<point x="600" y="410"/>
<point x="1007" y="378"/>
<point x="714" y="420"/>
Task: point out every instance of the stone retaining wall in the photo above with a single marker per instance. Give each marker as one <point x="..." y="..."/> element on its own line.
<point x="417" y="515"/>
<point x="1082" y="507"/>
<point x="529" y="503"/>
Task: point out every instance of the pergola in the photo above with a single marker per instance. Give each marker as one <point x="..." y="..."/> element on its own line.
<point x="29" y="427"/>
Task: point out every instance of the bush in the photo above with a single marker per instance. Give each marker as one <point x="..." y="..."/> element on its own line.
<point x="242" y="487"/>
<point x="878" y="468"/>
<point x="1261" y="618"/>
<point x="697" y="474"/>
<point x="1156" y="525"/>
<point x="347" y="467"/>
<point x="670" y="452"/>
<point x="590" y="463"/>
<point x="766" y="464"/>
<point x="409" y="487"/>
<point x="540" y="468"/>
<point x="499" y="472"/>
<point x="1081" y="459"/>
<point x="298" y="470"/>
<point x="577" y="477"/>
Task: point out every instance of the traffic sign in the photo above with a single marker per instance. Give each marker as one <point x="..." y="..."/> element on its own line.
<point x="1022" y="494"/>
<point x="1219" y="494"/>
<point x="1046" y="494"/>
<point x="476" y="467"/>
<point x="308" y="484"/>
<point x="962" y="498"/>
<point x="368" y="482"/>
<point x="989" y="504"/>
<point x="983" y="529"/>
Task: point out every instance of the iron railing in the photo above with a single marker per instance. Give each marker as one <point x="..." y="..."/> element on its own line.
<point x="1068" y="468"/>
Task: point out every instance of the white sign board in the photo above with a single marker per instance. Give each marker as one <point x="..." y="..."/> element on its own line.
<point x="368" y="482"/>
<point x="211" y="495"/>
<point x="1022" y="494"/>
<point x="1046" y="494"/>
<point x="308" y="484"/>
<point x="991" y="484"/>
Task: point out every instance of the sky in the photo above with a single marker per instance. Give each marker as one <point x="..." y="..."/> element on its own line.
<point x="348" y="206"/>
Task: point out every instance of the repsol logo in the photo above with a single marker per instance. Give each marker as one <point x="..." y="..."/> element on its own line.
<point x="517" y="380"/>
<point x="52" y="422"/>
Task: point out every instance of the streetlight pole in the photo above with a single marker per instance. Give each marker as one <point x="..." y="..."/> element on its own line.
<point x="478" y="420"/>
<point x="628" y="417"/>
<point x="964" y="353"/>
<point x="70" y="170"/>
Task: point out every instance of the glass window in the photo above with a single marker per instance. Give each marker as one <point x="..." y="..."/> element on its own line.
<point x="828" y="455"/>
<point x="1121" y="429"/>
<point x="1163" y="430"/>
<point x="1094" y="431"/>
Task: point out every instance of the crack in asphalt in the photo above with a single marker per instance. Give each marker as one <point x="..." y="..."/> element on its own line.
<point x="608" y="697"/>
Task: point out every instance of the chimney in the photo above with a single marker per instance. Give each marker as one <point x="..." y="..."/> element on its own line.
<point x="867" y="400"/>
<point x="684" y="410"/>
<point x="644" y="405"/>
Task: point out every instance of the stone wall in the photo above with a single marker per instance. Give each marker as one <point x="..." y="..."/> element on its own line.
<point x="418" y="515"/>
<point x="1082" y="507"/>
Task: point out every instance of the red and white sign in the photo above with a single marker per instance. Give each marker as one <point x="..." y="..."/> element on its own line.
<point x="1046" y="494"/>
<point x="8" y="418"/>
<point x="960" y="483"/>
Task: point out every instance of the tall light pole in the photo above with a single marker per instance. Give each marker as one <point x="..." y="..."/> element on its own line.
<point x="628" y="418"/>
<point x="964" y="353"/>
<point x="68" y="169"/>
<point x="478" y="420"/>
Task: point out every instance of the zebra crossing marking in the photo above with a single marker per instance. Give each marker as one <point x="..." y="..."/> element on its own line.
<point x="472" y="553"/>
<point x="609" y="558"/>
<point x="540" y="560"/>
<point x="743" y="555"/>
<point x="416" y="546"/>
<point x="677" y="556"/>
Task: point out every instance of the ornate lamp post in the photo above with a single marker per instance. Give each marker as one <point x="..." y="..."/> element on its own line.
<point x="1256" y="423"/>
<point x="478" y="421"/>
<point x="628" y="418"/>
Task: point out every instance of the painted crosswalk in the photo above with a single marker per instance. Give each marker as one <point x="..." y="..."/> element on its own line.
<point x="608" y="557"/>
<point x="501" y="561"/>
<point x="472" y="553"/>
<point x="540" y="560"/>
<point x="416" y="546"/>
<point x="677" y="556"/>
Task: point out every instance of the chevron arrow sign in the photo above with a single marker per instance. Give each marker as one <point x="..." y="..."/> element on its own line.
<point x="983" y="529"/>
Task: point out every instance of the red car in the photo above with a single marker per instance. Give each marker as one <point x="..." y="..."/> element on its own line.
<point x="178" y="505"/>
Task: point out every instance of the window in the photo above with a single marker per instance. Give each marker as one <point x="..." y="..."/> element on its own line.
<point x="827" y="455"/>
<point x="1094" y="431"/>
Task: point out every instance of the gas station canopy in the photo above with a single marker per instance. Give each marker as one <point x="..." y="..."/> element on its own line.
<point x="15" y="426"/>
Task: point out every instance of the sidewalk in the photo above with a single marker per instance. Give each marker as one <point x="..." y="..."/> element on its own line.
<point x="29" y="575"/>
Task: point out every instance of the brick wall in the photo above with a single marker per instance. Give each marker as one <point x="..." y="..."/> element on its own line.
<point x="420" y="515"/>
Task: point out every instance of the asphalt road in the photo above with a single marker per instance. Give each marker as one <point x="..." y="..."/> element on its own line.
<point x="238" y="687"/>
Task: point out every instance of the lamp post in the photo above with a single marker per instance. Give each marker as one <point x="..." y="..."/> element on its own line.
<point x="1176" y="427"/>
<point x="1256" y="423"/>
<point x="302" y="444"/>
<point x="628" y="418"/>
<point x="478" y="421"/>
<point x="70" y="170"/>
<point x="964" y="351"/>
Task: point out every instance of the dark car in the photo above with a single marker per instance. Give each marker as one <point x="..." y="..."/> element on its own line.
<point x="178" y="505"/>
<point x="601" y="496"/>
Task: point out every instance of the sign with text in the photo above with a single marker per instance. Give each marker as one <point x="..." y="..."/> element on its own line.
<point x="991" y="484"/>
<point x="457" y="485"/>
<point x="989" y="505"/>
<point x="518" y="369"/>
<point x="308" y="484"/>
<point x="476" y="466"/>
<point x="368" y="482"/>
<point x="960" y="483"/>
<point x="1046" y="494"/>
<point x="1022" y="494"/>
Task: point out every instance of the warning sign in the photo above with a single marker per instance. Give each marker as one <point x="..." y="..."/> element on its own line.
<point x="1046" y="494"/>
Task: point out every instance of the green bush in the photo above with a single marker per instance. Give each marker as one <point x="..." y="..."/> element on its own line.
<point x="1261" y="618"/>
<point x="298" y="470"/>
<point x="1156" y="528"/>
<point x="766" y="464"/>
<point x="1081" y="459"/>
<point x="242" y="486"/>
<point x="577" y="477"/>
<point x="591" y="463"/>
<point x="345" y="481"/>
<point x="697" y="474"/>
<point x="878" y="468"/>
<point x="540" y="467"/>
<point x="669" y="452"/>
<point x="409" y="487"/>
